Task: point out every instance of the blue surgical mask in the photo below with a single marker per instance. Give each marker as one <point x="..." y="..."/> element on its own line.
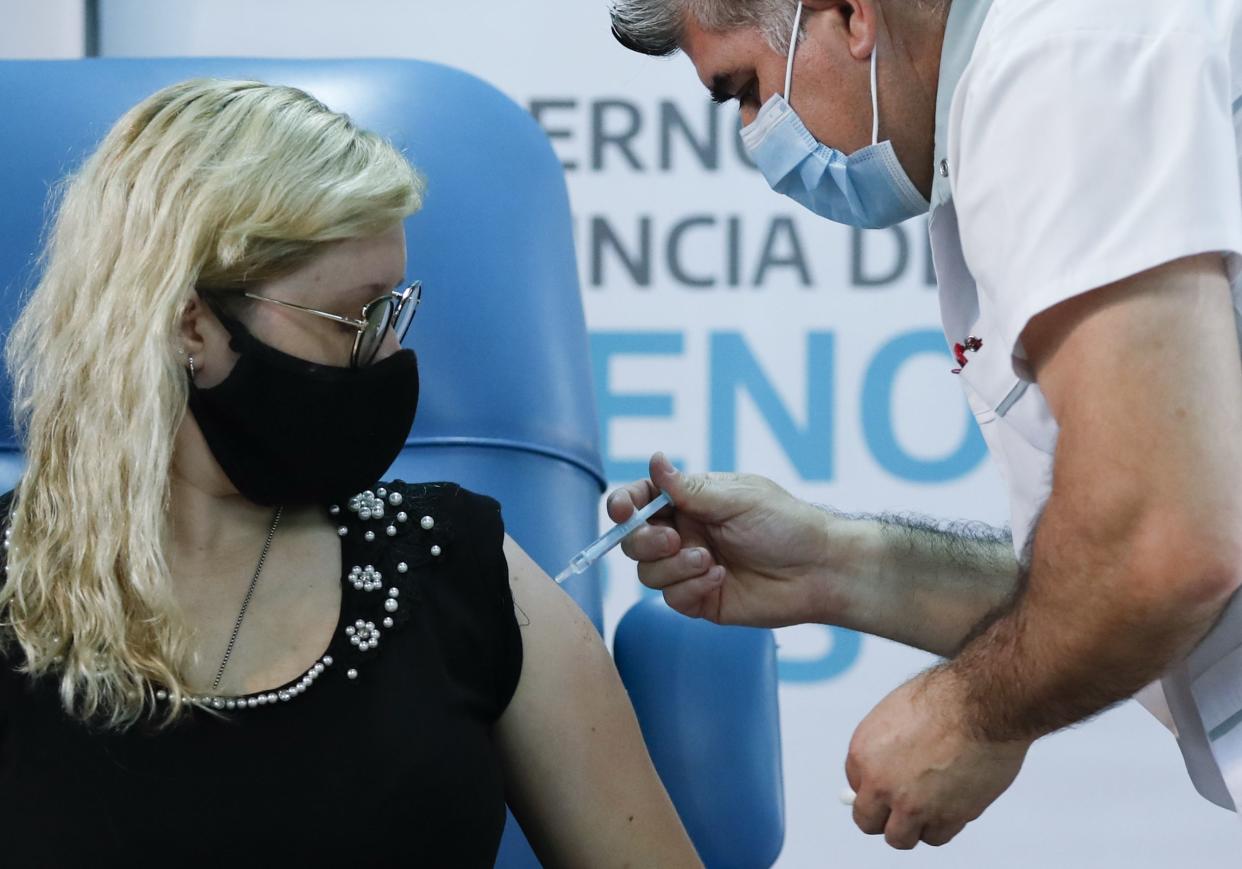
<point x="868" y="189"/>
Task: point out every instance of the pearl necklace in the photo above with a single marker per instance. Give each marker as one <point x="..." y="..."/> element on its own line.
<point x="252" y="701"/>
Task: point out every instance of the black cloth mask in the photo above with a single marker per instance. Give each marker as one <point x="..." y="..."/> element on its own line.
<point x="289" y="431"/>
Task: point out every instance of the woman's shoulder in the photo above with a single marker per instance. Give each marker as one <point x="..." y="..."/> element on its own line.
<point x="443" y="545"/>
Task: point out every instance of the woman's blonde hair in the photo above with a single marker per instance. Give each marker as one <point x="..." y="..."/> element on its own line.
<point x="219" y="183"/>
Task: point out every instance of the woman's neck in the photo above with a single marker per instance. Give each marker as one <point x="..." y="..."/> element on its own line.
<point x="206" y="513"/>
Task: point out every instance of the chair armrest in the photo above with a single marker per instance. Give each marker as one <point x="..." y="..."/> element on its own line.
<point x="706" y="698"/>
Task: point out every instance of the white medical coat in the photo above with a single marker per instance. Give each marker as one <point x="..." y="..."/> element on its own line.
<point x="1080" y="142"/>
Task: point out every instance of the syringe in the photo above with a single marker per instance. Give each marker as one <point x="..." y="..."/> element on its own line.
<point x="581" y="562"/>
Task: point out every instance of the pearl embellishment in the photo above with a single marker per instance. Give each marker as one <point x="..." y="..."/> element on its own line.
<point x="366" y="578"/>
<point x="283" y="695"/>
<point x="363" y="634"/>
<point x="368" y="505"/>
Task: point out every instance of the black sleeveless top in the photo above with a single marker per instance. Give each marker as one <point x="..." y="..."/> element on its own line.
<point x="381" y="754"/>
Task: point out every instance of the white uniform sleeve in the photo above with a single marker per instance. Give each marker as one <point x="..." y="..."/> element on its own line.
<point x="1089" y="156"/>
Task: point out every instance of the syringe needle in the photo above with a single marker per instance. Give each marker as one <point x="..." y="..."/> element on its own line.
<point x="593" y="553"/>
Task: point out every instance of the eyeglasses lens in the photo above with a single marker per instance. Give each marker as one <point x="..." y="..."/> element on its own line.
<point x="378" y="315"/>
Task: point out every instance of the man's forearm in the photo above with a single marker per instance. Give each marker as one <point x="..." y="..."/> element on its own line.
<point x="1093" y="621"/>
<point x="923" y="583"/>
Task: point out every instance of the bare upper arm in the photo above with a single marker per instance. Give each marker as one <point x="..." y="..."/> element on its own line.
<point x="1145" y="380"/>
<point x="578" y="774"/>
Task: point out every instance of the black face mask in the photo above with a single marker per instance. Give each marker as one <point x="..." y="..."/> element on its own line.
<point x="288" y="431"/>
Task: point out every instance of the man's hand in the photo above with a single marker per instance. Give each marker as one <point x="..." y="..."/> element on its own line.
<point x="739" y="549"/>
<point x="735" y="549"/>
<point x="918" y="771"/>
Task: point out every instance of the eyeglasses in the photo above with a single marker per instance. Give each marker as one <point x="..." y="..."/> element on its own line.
<point x="395" y="309"/>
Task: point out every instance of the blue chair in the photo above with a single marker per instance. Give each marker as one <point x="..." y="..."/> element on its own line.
<point x="705" y="697"/>
<point x="506" y="407"/>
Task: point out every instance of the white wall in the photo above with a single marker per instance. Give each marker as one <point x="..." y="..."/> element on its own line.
<point x="37" y="29"/>
<point x="1109" y="794"/>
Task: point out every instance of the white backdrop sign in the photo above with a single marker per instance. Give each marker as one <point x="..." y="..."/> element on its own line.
<point x="737" y="332"/>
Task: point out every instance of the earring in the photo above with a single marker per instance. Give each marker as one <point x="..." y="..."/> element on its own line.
<point x="192" y="372"/>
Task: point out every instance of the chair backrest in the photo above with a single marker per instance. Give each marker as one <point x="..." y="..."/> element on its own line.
<point x="507" y="406"/>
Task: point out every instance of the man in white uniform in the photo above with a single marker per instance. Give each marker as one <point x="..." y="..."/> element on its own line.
<point x="1080" y="162"/>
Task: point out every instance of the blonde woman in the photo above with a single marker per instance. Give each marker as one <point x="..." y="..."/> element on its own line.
<point x="223" y="641"/>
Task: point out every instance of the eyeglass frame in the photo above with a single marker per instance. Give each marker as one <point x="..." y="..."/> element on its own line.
<point x="398" y="298"/>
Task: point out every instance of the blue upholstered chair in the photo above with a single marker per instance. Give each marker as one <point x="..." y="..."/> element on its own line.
<point x="506" y="407"/>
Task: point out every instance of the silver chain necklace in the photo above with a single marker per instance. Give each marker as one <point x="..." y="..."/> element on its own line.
<point x="228" y="652"/>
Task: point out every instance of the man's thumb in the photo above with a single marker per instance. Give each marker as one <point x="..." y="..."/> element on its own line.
<point x="695" y="494"/>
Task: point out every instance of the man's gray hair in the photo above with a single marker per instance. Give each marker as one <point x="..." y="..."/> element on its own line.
<point x="655" y="27"/>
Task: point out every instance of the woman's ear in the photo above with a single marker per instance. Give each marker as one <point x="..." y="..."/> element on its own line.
<point x="192" y="331"/>
<point x="859" y="19"/>
<point x="203" y="336"/>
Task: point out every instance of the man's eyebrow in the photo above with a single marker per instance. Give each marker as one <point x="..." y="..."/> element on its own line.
<point x="721" y="88"/>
